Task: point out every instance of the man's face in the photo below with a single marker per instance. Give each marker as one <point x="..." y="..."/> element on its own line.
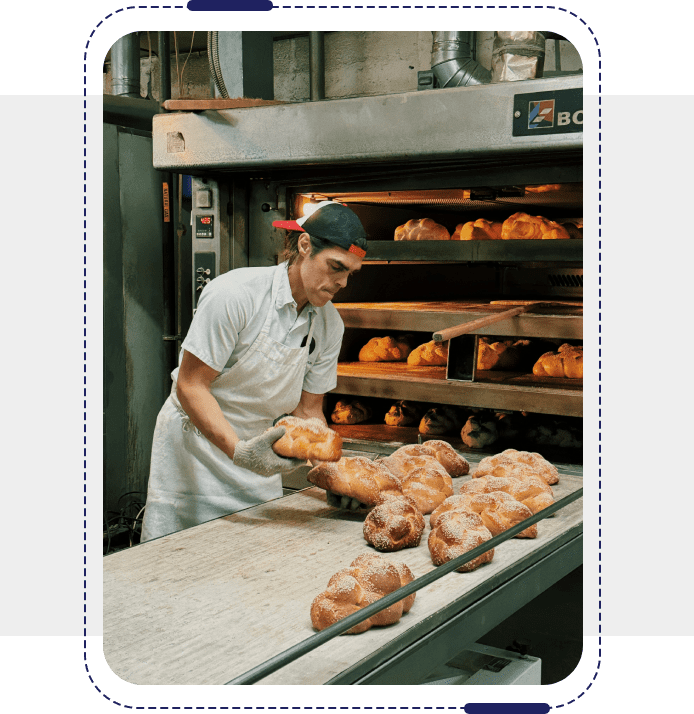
<point x="327" y="272"/>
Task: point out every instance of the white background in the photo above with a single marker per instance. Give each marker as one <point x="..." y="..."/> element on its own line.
<point x="644" y="201"/>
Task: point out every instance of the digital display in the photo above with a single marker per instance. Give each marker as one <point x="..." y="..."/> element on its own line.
<point x="204" y="227"/>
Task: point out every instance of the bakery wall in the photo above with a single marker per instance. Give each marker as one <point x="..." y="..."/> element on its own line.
<point x="356" y="64"/>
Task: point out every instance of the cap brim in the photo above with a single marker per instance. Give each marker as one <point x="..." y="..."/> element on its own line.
<point x="288" y="225"/>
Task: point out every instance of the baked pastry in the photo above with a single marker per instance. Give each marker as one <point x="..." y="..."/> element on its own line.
<point x="532" y="491"/>
<point x="428" y="354"/>
<point x="567" y="361"/>
<point x="395" y="523"/>
<point x="353" y="412"/>
<point x="357" y="477"/>
<point x="479" y="431"/>
<point x="456" y="533"/>
<point x="442" y="420"/>
<point x="308" y="439"/>
<point x="368" y="578"/>
<point x="481" y="229"/>
<point x="442" y="451"/>
<point x="422" y="478"/>
<point x="422" y="229"/>
<point x="499" y="511"/>
<point x="385" y="349"/>
<point x="515" y="464"/>
<point x="404" y="413"/>
<point x="497" y="355"/>
<point x="521" y="226"/>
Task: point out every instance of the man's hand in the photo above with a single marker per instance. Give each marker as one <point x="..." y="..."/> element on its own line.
<point x="346" y="503"/>
<point x="257" y="455"/>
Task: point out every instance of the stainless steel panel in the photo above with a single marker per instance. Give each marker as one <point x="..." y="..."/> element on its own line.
<point x="437" y="124"/>
<point x="565" y="327"/>
<point x="486" y="395"/>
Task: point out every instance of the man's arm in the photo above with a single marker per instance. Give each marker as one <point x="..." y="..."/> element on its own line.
<point x="193" y="392"/>
<point x="310" y="405"/>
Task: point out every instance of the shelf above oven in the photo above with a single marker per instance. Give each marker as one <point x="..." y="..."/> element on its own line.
<point x="500" y="390"/>
<point x="562" y="251"/>
<point x="560" y="321"/>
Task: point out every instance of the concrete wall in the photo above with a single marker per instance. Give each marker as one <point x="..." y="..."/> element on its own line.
<point x="356" y="64"/>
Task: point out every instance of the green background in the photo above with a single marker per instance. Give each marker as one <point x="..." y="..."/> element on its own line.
<point x="633" y="49"/>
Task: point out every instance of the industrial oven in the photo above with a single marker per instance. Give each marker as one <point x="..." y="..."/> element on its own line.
<point x="453" y="155"/>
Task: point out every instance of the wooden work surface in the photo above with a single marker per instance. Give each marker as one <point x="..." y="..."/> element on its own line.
<point x="207" y="604"/>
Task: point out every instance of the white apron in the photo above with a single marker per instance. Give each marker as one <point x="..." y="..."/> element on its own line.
<point x="192" y="481"/>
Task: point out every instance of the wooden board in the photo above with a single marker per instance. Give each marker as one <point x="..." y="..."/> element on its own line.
<point x="205" y="605"/>
<point x="199" y="105"/>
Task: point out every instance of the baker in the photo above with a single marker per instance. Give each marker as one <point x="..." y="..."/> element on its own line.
<point x="263" y="342"/>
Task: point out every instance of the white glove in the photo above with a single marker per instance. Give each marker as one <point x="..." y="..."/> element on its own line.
<point x="346" y="503"/>
<point x="257" y="455"/>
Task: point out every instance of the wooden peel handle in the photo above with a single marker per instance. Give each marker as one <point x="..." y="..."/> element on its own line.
<point x="466" y="327"/>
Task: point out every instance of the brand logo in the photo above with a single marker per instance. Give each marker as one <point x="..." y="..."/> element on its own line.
<point x="541" y="114"/>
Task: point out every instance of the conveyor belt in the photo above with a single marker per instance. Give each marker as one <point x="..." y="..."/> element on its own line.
<point x="205" y="605"/>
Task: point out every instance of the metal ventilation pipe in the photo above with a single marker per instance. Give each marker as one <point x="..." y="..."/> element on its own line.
<point x="452" y="63"/>
<point x="316" y="58"/>
<point x="518" y="55"/>
<point x="125" y="66"/>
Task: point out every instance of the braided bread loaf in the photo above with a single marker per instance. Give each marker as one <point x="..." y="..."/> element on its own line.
<point x="308" y="439"/>
<point x="353" y="412"/>
<point x="481" y="229"/>
<point x="531" y="491"/>
<point x="394" y="523"/>
<point x="422" y="229"/>
<point x="404" y="413"/>
<point x="442" y="451"/>
<point x="422" y="478"/>
<point x="511" y="462"/>
<point x="521" y="226"/>
<point x="368" y="578"/>
<point x="458" y="532"/>
<point x="429" y="354"/>
<point x="499" y="511"/>
<point x="567" y="361"/>
<point x="357" y="477"/>
<point x="385" y="349"/>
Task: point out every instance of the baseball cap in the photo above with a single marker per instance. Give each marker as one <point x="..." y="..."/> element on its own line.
<point x="333" y="222"/>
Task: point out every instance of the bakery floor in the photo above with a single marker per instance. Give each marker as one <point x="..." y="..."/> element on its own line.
<point x="550" y="627"/>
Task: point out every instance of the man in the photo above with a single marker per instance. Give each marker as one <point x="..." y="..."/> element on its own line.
<point x="263" y="342"/>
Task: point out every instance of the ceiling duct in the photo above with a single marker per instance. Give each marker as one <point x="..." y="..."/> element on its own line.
<point x="125" y="66"/>
<point x="452" y="62"/>
<point x="518" y="55"/>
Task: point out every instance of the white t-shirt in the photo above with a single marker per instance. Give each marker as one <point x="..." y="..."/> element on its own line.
<point x="232" y="310"/>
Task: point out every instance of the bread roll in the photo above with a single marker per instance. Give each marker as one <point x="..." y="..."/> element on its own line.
<point x="353" y="412"/>
<point x="385" y="349"/>
<point x="521" y="226"/>
<point x="479" y="431"/>
<point x="518" y="464"/>
<point x="499" y="511"/>
<point x="497" y="355"/>
<point x="395" y="523"/>
<point x="422" y="229"/>
<point x="481" y="229"/>
<point x="422" y="478"/>
<point x="357" y="477"/>
<point x="368" y="578"/>
<point x="532" y="491"/>
<point x="428" y="354"/>
<point x="404" y="413"/>
<point x="308" y="439"/>
<point x="442" y="451"/>
<point x="456" y="533"/>
<point x="442" y="420"/>
<point x="566" y="362"/>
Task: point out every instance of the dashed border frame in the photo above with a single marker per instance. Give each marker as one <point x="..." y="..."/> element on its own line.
<point x="351" y="7"/>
